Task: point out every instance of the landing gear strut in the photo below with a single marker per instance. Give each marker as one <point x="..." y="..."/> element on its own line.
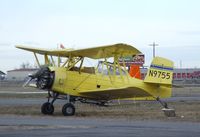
<point x="169" y="112"/>
<point x="48" y="108"/>
<point x="68" y="109"/>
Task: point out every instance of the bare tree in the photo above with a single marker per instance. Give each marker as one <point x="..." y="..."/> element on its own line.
<point x="25" y="65"/>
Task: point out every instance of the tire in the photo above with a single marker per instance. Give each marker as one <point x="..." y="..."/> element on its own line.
<point x="47" y="108"/>
<point x="68" y="109"/>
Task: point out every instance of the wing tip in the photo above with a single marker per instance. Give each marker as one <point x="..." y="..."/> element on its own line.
<point x="19" y="46"/>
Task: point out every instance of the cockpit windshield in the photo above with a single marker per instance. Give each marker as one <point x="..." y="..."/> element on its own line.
<point x="108" y="68"/>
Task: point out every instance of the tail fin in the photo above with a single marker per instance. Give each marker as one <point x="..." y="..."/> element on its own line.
<point x="160" y="71"/>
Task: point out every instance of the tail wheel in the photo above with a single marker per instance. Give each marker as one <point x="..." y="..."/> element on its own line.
<point x="47" y="108"/>
<point x="68" y="109"/>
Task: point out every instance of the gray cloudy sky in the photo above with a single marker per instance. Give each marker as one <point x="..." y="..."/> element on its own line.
<point x="173" y="24"/>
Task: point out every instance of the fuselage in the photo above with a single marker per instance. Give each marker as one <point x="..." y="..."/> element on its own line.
<point x="98" y="86"/>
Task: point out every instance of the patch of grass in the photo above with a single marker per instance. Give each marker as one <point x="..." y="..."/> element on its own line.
<point x="189" y="111"/>
<point x="185" y="110"/>
<point x="28" y="95"/>
<point x="20" y="110"/>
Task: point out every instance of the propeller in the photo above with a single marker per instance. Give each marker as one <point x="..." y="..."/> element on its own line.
<point x="44" y="78"/>
<point x="28" y="81"/>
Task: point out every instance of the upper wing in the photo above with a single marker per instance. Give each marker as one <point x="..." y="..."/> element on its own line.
<point x="94" y="53"/>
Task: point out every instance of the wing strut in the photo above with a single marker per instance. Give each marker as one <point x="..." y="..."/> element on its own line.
<point x="37" y="59"/>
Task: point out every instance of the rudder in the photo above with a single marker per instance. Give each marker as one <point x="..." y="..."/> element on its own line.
<point x="160" y="71"/>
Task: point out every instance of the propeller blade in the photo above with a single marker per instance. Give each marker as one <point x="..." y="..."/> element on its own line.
<point x="27" y="82"/>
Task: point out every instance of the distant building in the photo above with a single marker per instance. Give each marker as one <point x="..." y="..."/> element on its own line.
<point x="19" y="74"/>
<point x="187" y="76"/>
<point x="2" y="75"/>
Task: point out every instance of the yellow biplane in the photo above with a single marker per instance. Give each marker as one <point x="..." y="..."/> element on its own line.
<point x="110" y="80"/>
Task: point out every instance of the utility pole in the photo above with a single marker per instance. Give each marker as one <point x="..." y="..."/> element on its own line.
<point x="154" y="50"/>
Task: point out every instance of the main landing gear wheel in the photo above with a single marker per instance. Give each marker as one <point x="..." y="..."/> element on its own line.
<point x="68" y="109"/>
<point x="47" y="108"/>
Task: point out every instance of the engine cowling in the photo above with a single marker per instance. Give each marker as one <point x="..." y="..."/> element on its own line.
<point x="44" y="78"/>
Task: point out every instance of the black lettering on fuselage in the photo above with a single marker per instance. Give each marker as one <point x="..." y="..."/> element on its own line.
<point x="151" y="74"/>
